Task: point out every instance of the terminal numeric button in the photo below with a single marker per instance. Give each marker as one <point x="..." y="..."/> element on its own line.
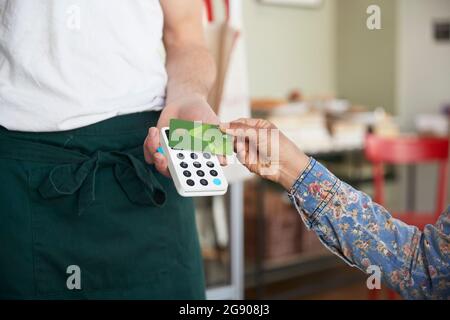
<point x="190" y="182"/>
<point x="200" y="173"/>
<point x="197" y="164"/>
<point x="213" y="173"/>
<point x="187" y="174"/>
<point x="184" y="165"/>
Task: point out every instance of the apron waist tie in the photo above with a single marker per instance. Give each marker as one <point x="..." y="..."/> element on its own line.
<point x="76" y="172"/>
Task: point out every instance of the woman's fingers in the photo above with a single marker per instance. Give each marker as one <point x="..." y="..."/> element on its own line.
<point x="241" y="151"/>
<point x="255" y="131"/>
<point x="233" y="128"/>
<point x="241" y="132"/>
<point x="222" y="160"/>
<point x="247" y="153"/>
<point x="255" y="142"/>
<point x="248" y="122"/>
<point x="236" y="127"/>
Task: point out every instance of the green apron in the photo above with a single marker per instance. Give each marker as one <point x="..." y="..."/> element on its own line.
<point x="86" y="199"/>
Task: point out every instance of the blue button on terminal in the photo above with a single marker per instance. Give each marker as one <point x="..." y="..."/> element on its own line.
<point x="160" y="150"/>
<point x="217" y="182"/>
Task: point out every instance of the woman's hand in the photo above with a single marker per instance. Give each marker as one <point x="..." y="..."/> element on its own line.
<point x="266" y="151"/>
<point x="192" y="108"/>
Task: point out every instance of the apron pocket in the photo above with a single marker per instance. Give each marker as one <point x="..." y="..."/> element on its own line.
<point x="113" y="245"/>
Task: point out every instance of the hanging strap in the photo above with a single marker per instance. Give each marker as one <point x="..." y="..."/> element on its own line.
<point x="210" y="9"/>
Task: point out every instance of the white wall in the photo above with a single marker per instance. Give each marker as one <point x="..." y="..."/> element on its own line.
<point x="423" y="64"/>
<point x="366" y="58"/>
<point x="290" y="47"/>
<point x="423" y="75"/>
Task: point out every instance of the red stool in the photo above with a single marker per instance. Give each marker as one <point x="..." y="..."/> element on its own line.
<point x="409" y="151"/>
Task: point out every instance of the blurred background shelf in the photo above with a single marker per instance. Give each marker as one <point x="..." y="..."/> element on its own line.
<point x="326" y="81"/>
<point x="288" y="268"/>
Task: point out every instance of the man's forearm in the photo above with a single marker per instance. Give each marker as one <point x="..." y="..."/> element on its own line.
<point x="191" y="70"/>
<point x="191" y="73"/>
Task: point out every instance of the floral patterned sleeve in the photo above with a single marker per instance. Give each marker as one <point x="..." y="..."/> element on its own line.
<point x="415" y="264"/>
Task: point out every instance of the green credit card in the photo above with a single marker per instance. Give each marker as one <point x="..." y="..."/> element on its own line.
<point x="198" y="136"/>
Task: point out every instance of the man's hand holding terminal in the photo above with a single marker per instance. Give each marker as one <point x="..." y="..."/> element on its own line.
<point x="191" y="73"/>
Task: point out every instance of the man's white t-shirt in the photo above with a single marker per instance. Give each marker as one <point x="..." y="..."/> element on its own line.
<point x="66" y="64"/>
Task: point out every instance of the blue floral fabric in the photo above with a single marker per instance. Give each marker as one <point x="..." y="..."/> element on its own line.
<point x="415" y="264"/>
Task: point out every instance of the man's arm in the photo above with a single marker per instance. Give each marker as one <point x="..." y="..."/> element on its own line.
<point x="190" y="66"/>
<point x="191" y="73"/>
<point x="363" y="233"/>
